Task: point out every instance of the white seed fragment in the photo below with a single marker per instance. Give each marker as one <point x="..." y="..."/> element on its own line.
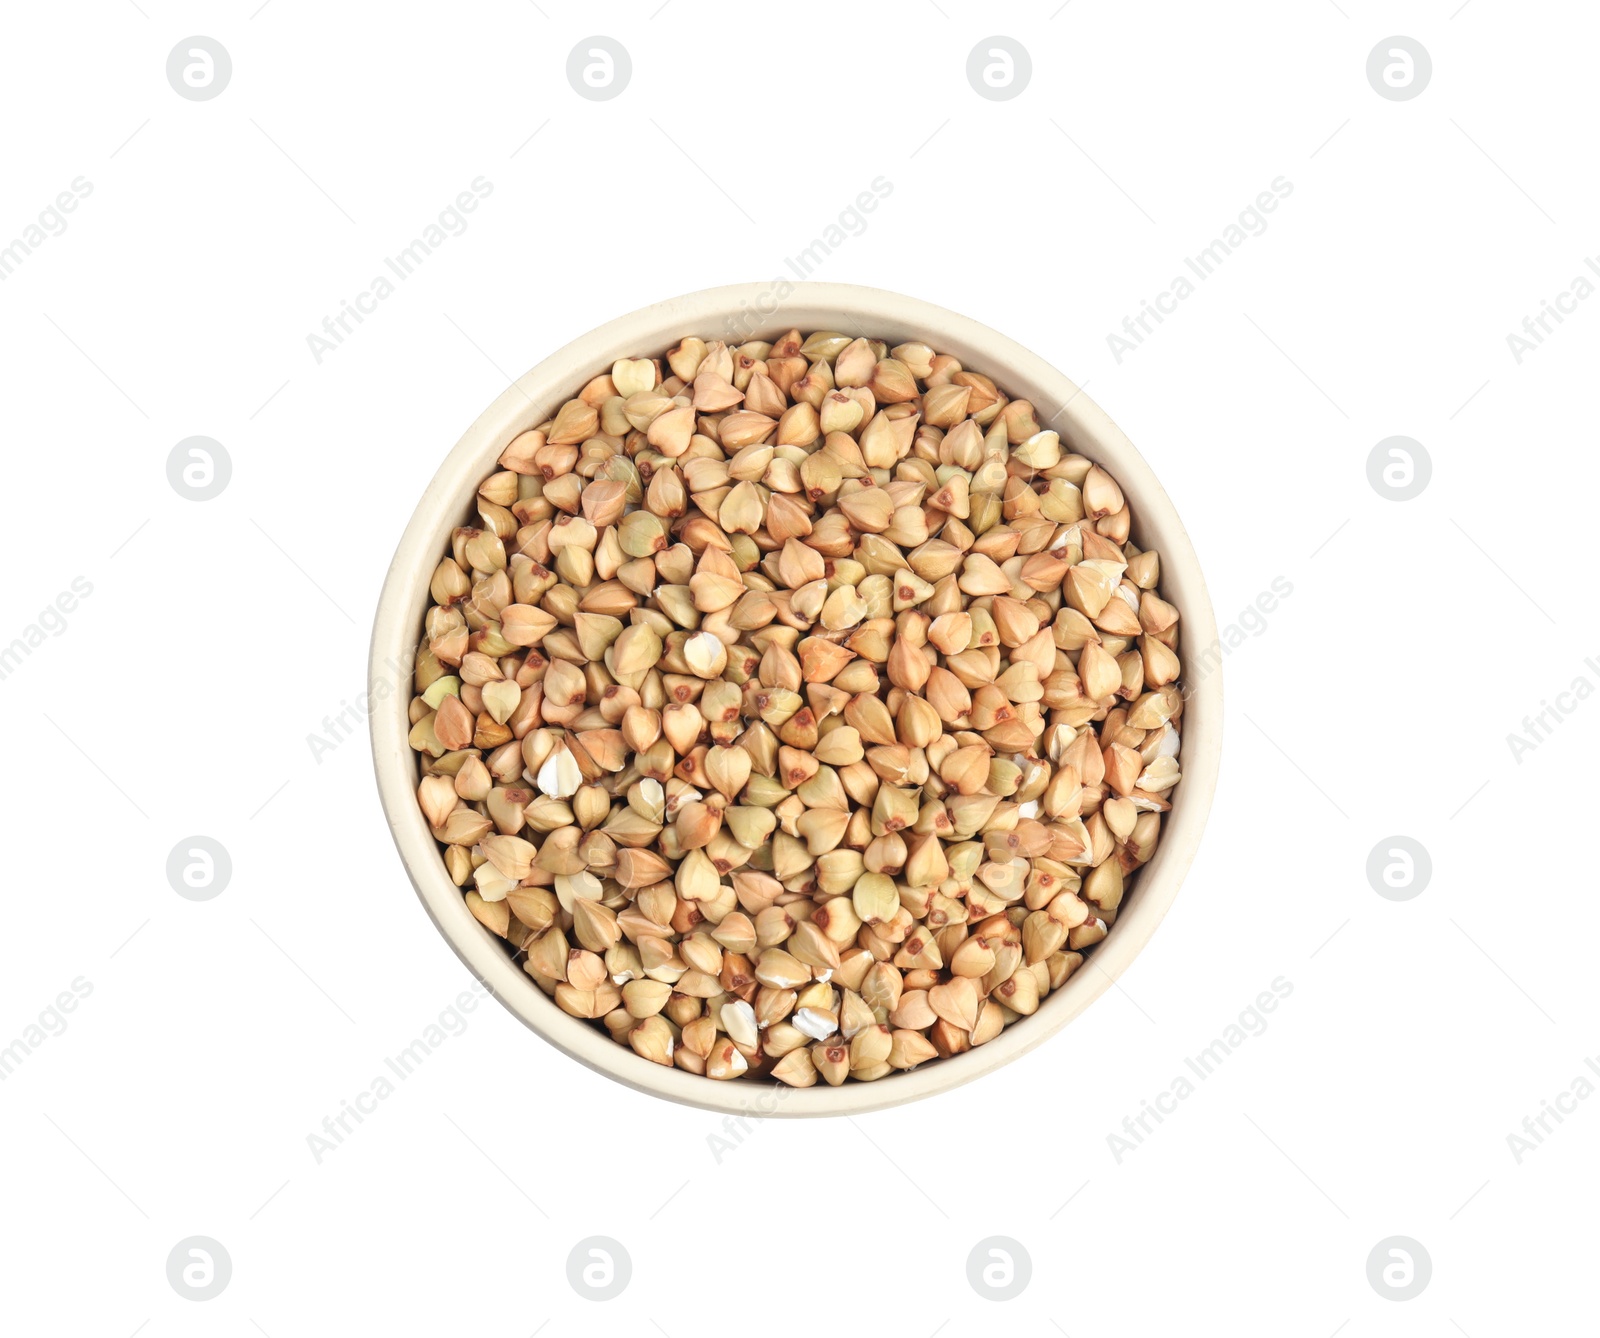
<point x="559" y="777"/>
<point x="739" y="1021"/>
<point x="705" y="655"/>
<point x="492" y="885"/>
<point x="655" y="799"/>
<point x="573" y="887"/>
<point x="1162" y="774"/>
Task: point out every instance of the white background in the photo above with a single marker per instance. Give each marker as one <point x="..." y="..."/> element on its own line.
<point x="180" y="696"/>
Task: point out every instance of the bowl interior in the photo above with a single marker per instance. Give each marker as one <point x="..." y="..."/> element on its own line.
<point x="740" y="313"/>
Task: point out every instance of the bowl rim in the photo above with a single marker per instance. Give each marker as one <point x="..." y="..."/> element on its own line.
<point x="746" y="312"/>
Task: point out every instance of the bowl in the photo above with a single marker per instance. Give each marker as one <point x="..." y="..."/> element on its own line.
<point x="738" y="313"/>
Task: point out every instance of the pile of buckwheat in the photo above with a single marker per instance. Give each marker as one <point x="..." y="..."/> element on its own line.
<point x="797" y="709"/>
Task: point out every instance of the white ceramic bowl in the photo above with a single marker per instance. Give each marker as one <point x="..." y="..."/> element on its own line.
<point x="811" y="306"/>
